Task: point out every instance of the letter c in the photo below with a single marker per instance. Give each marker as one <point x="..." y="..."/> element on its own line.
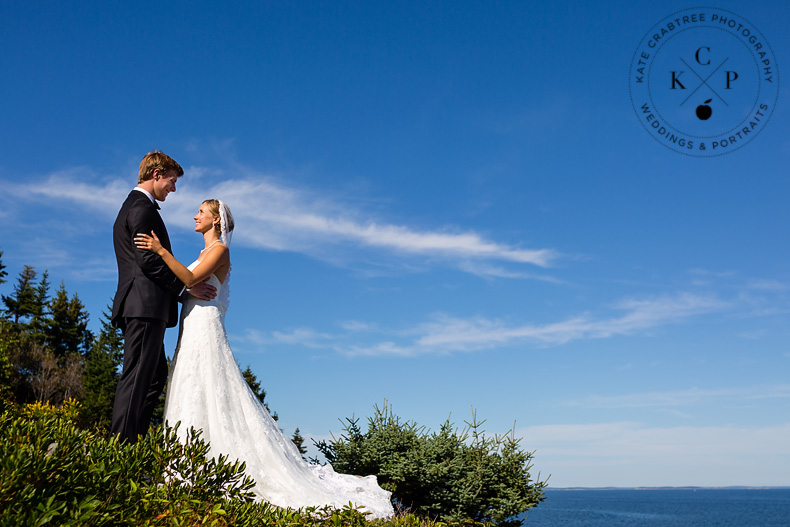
<point x="697" y="56"/>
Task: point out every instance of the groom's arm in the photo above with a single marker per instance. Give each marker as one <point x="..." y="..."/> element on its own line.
<point x="200" y="290"/>
<point x="144" y="219"/>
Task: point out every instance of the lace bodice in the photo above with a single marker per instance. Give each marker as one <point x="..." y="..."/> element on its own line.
<point x="222" y="300"/>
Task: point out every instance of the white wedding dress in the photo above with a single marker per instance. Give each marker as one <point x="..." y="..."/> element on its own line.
<point x="207" y="391"/>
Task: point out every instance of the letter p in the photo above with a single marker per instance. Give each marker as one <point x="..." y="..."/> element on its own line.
<point x="731" y="76"/>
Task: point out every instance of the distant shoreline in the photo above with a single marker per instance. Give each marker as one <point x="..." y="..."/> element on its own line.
<point x="734" y="487"/>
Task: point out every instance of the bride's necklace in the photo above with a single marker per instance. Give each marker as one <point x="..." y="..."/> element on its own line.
<point x="211" y="245"/>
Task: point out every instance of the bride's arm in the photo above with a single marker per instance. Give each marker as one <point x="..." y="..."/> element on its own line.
<point x="211" y="261"/>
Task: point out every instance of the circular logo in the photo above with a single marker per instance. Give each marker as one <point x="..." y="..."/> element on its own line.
<point x="704" y="82"/>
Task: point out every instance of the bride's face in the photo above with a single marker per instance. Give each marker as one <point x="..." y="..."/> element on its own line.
<point x="204" y="220"/>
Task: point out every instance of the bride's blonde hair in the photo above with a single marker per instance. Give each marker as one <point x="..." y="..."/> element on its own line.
<point x="213" y="207"/>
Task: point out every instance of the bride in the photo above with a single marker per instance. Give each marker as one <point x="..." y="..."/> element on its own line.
<point x="207" y="391"/>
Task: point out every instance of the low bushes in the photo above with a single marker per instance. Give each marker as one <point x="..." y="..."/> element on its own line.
<point x="449" y="474"/>
<point x="52" y="473"/>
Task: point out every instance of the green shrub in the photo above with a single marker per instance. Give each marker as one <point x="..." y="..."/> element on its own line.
<point x="450" y="475"/>
<point x="52" y="473"/>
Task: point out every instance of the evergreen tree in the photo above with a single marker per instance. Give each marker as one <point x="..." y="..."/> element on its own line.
<point x="298" y="440"/>
<point x="21" y="342"/>
<point x="452" y="475"/>
<point x="16" y="362"/>
<point x="260" y="393"/>
<point x="60" y="332"/>
<point x="255" y="386"/>
<point x="43" y="347"/>
<point x="102" y="371"/>
<point x="67" y="326"/>
<point x="39" y="318"/>
<point x="6" y="367"/>
<point x="3" y="273"/>
<point x="23" y="304"/>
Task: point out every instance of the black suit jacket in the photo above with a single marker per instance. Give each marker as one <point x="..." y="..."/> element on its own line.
<point x="147" y="288"/>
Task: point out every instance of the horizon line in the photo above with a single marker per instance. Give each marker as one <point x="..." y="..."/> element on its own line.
<point x="682" y="487"/>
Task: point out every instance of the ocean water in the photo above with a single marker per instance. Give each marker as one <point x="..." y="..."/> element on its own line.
<point x="662" y="508"/>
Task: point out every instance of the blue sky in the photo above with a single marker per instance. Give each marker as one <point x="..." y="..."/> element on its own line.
<point x="443" y="206"/>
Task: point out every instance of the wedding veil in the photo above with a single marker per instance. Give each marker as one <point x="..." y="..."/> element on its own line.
<point x="225" y="219"/>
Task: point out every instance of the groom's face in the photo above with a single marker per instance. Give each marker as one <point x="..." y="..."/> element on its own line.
<point x="164" y="184"/>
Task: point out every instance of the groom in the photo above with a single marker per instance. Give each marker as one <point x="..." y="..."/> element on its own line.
<point x="146" y="301"/>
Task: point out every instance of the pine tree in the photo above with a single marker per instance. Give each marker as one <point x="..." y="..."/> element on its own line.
<point x="39" y="318"/>
<point x="43" y="340"/>
<point x="298" y="440"/>
<point x="102" y="371"/>
<point x="255" y="386"/>
<point x="67" y="326"/>
<point x="23" y="304"/>
<point x="6" y="367"/>
<point x="22" y="337"/>
<point x="60" y="333"/>
<point x="260" y="393"/>
<point x="3" y="272"/>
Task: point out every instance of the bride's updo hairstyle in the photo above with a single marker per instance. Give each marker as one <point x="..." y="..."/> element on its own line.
<point x="213" y="207"/>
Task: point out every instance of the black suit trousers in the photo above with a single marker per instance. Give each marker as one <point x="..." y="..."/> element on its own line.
<point x="143" y="378"/>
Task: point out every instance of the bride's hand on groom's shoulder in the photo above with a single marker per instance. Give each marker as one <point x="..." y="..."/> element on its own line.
<point x="203" y="290"/>
<point x="150" y="243"/>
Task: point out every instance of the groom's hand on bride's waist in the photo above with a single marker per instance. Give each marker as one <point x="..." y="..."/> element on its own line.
<point x="203" y="290"/>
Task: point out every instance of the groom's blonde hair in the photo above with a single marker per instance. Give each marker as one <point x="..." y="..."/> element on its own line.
<point x="157" y="160"/>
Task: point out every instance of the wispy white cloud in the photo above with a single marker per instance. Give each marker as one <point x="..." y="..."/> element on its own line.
<point x="753" y="334"/>
<point x="272" y="215"/>
<point x="303" y="337"/>
<point x="79" y="185"/>
<point x="486" y="270"/>
<point x="708" y="272"/>
<point x="768" y="285"/>
<point x="356" y="325"/>
<point x="446" y="334"/>
<point x="278" y="217"/>
<point x="452" y="334"/>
